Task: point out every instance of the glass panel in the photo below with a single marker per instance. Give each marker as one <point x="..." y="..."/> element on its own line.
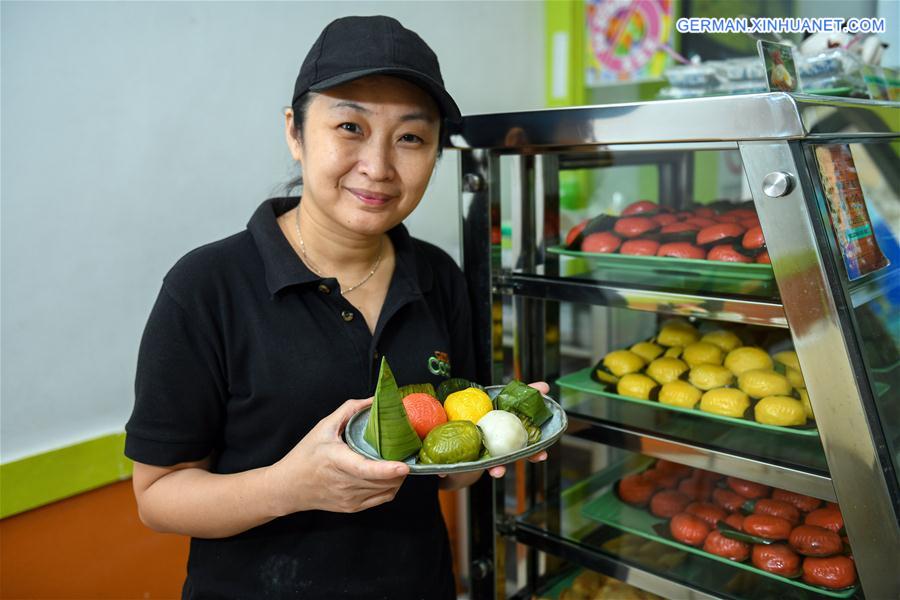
<point x="876" y="296"/>
<point x="589" y="516"/>
<point x="670" y="195"/>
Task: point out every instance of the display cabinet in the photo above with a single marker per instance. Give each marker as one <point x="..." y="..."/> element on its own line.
<point x="821" y="177"/>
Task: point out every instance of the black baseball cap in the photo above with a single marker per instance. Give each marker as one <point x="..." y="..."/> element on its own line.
<point x="353" y="47"/>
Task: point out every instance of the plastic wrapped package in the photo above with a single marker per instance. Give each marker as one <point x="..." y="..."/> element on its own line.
<point x="826" y="64"/>
<point x="703" y="76"/>
<point x="835" y="71"/>
<point x="744" y="69"/>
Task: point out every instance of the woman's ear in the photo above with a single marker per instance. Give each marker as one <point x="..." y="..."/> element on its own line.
<point x="292" y="136"/>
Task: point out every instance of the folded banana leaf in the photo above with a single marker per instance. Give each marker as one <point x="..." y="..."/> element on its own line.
<point x="523" y="400"/>
<point x="417" y="388"/>
<point x="533" y="431"/>
<point x="388" y="429"/>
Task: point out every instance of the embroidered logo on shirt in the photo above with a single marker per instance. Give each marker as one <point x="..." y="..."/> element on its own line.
<point x="439" y="364"/>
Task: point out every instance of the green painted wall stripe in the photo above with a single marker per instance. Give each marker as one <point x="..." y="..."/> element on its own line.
<point x="564" y="18"/>
<point x="44" y="478"/>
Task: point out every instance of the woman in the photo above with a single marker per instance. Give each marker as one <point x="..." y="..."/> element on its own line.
<point x="256" y="341"/>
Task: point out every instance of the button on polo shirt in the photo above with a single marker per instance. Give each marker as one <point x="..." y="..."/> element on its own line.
<point x="244" y="352"/>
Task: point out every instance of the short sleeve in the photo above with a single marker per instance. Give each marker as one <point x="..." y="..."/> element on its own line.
<point x="179" y="388"/>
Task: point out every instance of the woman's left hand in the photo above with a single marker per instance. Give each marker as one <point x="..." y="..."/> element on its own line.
<point x="500" y="470"/>
<point x="460" y="480"/>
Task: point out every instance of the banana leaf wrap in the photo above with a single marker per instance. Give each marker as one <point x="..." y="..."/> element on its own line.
<point x="533" y="431"/>
<point x="388" y="429"/>
<point x="417" y="388"/>
<point x="524" y="400"/>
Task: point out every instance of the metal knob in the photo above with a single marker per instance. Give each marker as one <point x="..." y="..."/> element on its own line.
<point x="777" y="184"/>
<point x="473" y="182"/>
<point x="481" y="568"/>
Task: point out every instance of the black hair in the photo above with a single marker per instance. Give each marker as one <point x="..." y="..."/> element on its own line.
<point x="301" y="107"/>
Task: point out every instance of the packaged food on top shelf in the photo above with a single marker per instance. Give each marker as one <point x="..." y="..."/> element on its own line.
<point x="835" y="71"/>
<point x="772" y="532"/>
<point x="700" y="75"/>
<point x="749" y="68"/>
<point x="827" y="64"/>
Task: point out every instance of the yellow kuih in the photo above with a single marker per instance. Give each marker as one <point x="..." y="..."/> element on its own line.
<point x="724" y="339"/>
<point x="677" y="333"/>
<point x="728" y="402"/>
<point x="635" y="385"/>
<point x="616" y="364"/>
<point x="702" y="353"/>
<point x="791" y="364"/>
<point x="780" y="410"/>
<point x="748" y="358"/>
<point x="759" y="383"/>
<point x="468" y="405"/>
<point x="666" y="369"/>
<point x="709" y="377"/>
<point x="647" y="350"/>
<point x="679" y="393"/>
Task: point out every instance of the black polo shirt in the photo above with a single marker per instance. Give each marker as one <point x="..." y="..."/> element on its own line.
<point x="244" y="352"/>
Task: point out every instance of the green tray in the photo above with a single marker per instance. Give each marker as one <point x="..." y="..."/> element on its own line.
<point x="582" y="382"/>
<point x="556" y="587"/>
<point x="666" y="264"/>
<point x="610" y="510"/>
<point x="837" y="91"/>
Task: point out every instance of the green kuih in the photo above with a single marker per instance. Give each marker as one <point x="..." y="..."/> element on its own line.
<point x="451" y="442"/>
<point x="388" y="429"/>
<point x="524" y="401"/>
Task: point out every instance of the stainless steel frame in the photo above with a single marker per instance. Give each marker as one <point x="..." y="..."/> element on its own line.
<point x="702" y="457"/>
<point x="734" y="309"/>
<point x="808" y="288"/>
<point x="718" y="119"/>
<point x="771" y="132"/>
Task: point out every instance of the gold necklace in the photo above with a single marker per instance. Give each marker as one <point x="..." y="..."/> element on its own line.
<point x="312" y="267"/>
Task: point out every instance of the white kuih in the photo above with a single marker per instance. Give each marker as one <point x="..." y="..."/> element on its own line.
<point x="503" y="432"/>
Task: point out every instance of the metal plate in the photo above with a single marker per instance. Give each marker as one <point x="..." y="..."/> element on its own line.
<point x="582" y="382"/>
<point x="551" y="431"/>
<point x="693" y="266"/>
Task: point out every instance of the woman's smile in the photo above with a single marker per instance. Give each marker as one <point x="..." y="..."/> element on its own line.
<point x="369" y="197"/>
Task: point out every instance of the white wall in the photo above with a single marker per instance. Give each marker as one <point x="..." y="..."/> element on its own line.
<point x="133" y="132"/>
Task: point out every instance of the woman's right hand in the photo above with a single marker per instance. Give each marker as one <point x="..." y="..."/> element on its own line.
<point x="322" y="473"/>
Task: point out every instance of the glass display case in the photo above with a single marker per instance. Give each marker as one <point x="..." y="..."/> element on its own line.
<point x="717" y="308"/>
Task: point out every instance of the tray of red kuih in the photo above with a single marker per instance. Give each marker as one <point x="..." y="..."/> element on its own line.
<point x="723" y="239"/>
<point x="783" y="535"/>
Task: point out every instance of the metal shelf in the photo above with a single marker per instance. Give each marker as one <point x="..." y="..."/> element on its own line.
<point x="701" y="457"/>
<point x="720" y="307"/>
<point x="595" y="560"/>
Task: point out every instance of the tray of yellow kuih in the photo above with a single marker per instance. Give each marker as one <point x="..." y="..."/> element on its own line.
<point x="456" y="427"/>
<point x="711" y="374"/>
